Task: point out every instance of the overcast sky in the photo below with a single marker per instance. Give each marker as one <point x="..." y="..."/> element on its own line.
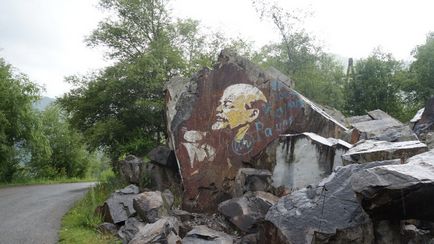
<point x="44" y="38"/>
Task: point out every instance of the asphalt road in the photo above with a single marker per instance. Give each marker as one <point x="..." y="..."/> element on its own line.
<point x="32" y="214"/>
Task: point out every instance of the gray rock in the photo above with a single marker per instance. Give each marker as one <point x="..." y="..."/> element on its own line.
<point x="163" y="155"/>
<point x="404" y="191"/>
<point x="378" y="125"/>
<point x="132" y="226"/>
<point x="322" y="210"/>
<point x="131" y="169"/>
<point x="370" y="150"/>
<point x="107" y="228"/>
<point x="246" y="211"/>
<point x="119" y="206"/>
<point x="204" y="235"/>
<point x="151" y="206"/>
<point x="250" y="179"/>
<point x="164" y="230"/>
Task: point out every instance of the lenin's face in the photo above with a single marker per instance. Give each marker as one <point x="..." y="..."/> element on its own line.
<point x="234" y="107"/>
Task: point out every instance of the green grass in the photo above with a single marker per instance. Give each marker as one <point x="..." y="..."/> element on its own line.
<point x="80" y="223"/>
<point x="45" y="181"/>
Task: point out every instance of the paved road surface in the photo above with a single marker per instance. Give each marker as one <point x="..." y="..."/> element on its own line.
<point x="32" y="214"/>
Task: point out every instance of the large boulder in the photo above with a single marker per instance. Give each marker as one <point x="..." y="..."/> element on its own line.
<point x="152" y="205"/>
<point x="119" y="206"/>
<point x="204" y="235"/>
<point x="164" y="230"/>
<point x="329" y="210"/>
<point x="305" y="159"/>
<point x="404" y="191"/>
<point x="245" y="212"/>
<point x="131" y="169"/>
<point x="222" y="118"/>
<point x="370" y="150"/>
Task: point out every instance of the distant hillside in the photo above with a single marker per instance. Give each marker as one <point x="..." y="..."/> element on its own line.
<point x="43" y="103"/>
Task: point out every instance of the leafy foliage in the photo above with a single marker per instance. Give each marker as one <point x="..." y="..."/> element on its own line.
<point x="375" y="85"/>
<point x="419" y="84"/>
<point x="16" y="118"/>
<point x="68" y="155"/>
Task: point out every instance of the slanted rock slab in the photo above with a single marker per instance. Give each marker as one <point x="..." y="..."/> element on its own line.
<point x="404" y="191"/>
<point x="324" y="210"/>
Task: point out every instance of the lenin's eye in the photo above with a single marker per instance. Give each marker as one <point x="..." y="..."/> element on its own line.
<point x="228" y="104"/>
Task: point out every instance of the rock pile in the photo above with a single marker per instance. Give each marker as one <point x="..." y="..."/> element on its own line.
<point x="260" y="163"/>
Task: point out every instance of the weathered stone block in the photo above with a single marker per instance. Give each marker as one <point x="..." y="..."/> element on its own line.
<point x="370" y="150"/>
<point x="223" y="117"/>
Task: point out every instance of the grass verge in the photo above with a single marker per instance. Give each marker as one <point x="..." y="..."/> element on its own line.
<point x="46" y="181"/>
<point x="80" y="223"/>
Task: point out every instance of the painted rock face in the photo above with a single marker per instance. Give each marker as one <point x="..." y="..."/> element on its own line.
<point x="226" y="116"/>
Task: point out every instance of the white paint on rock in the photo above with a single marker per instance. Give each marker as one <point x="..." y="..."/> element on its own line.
<point x="309" y="161"/>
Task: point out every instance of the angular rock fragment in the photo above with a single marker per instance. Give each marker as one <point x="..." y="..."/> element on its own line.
<point x="246" y="211"/>
<point x="151" y="206"/>
<point x="322" y="210"/>
<point x="119" y="206"/>
<point x="223" y="117"/>
<point x="164" y="230"/>
<point x="132" y="226"/>
<point x="370" y="150"/>
<point x="404" y="191"/>
<point x="202" y="234"/>
<point x="250" y="179"/>
<point x="305" y="159"/>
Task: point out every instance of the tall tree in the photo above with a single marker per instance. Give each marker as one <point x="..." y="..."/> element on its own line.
<point x="17" y="120"/>
<point x="375" y="85"/>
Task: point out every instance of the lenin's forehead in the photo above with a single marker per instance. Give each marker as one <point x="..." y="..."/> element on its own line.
<point x="234" y="91"/>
